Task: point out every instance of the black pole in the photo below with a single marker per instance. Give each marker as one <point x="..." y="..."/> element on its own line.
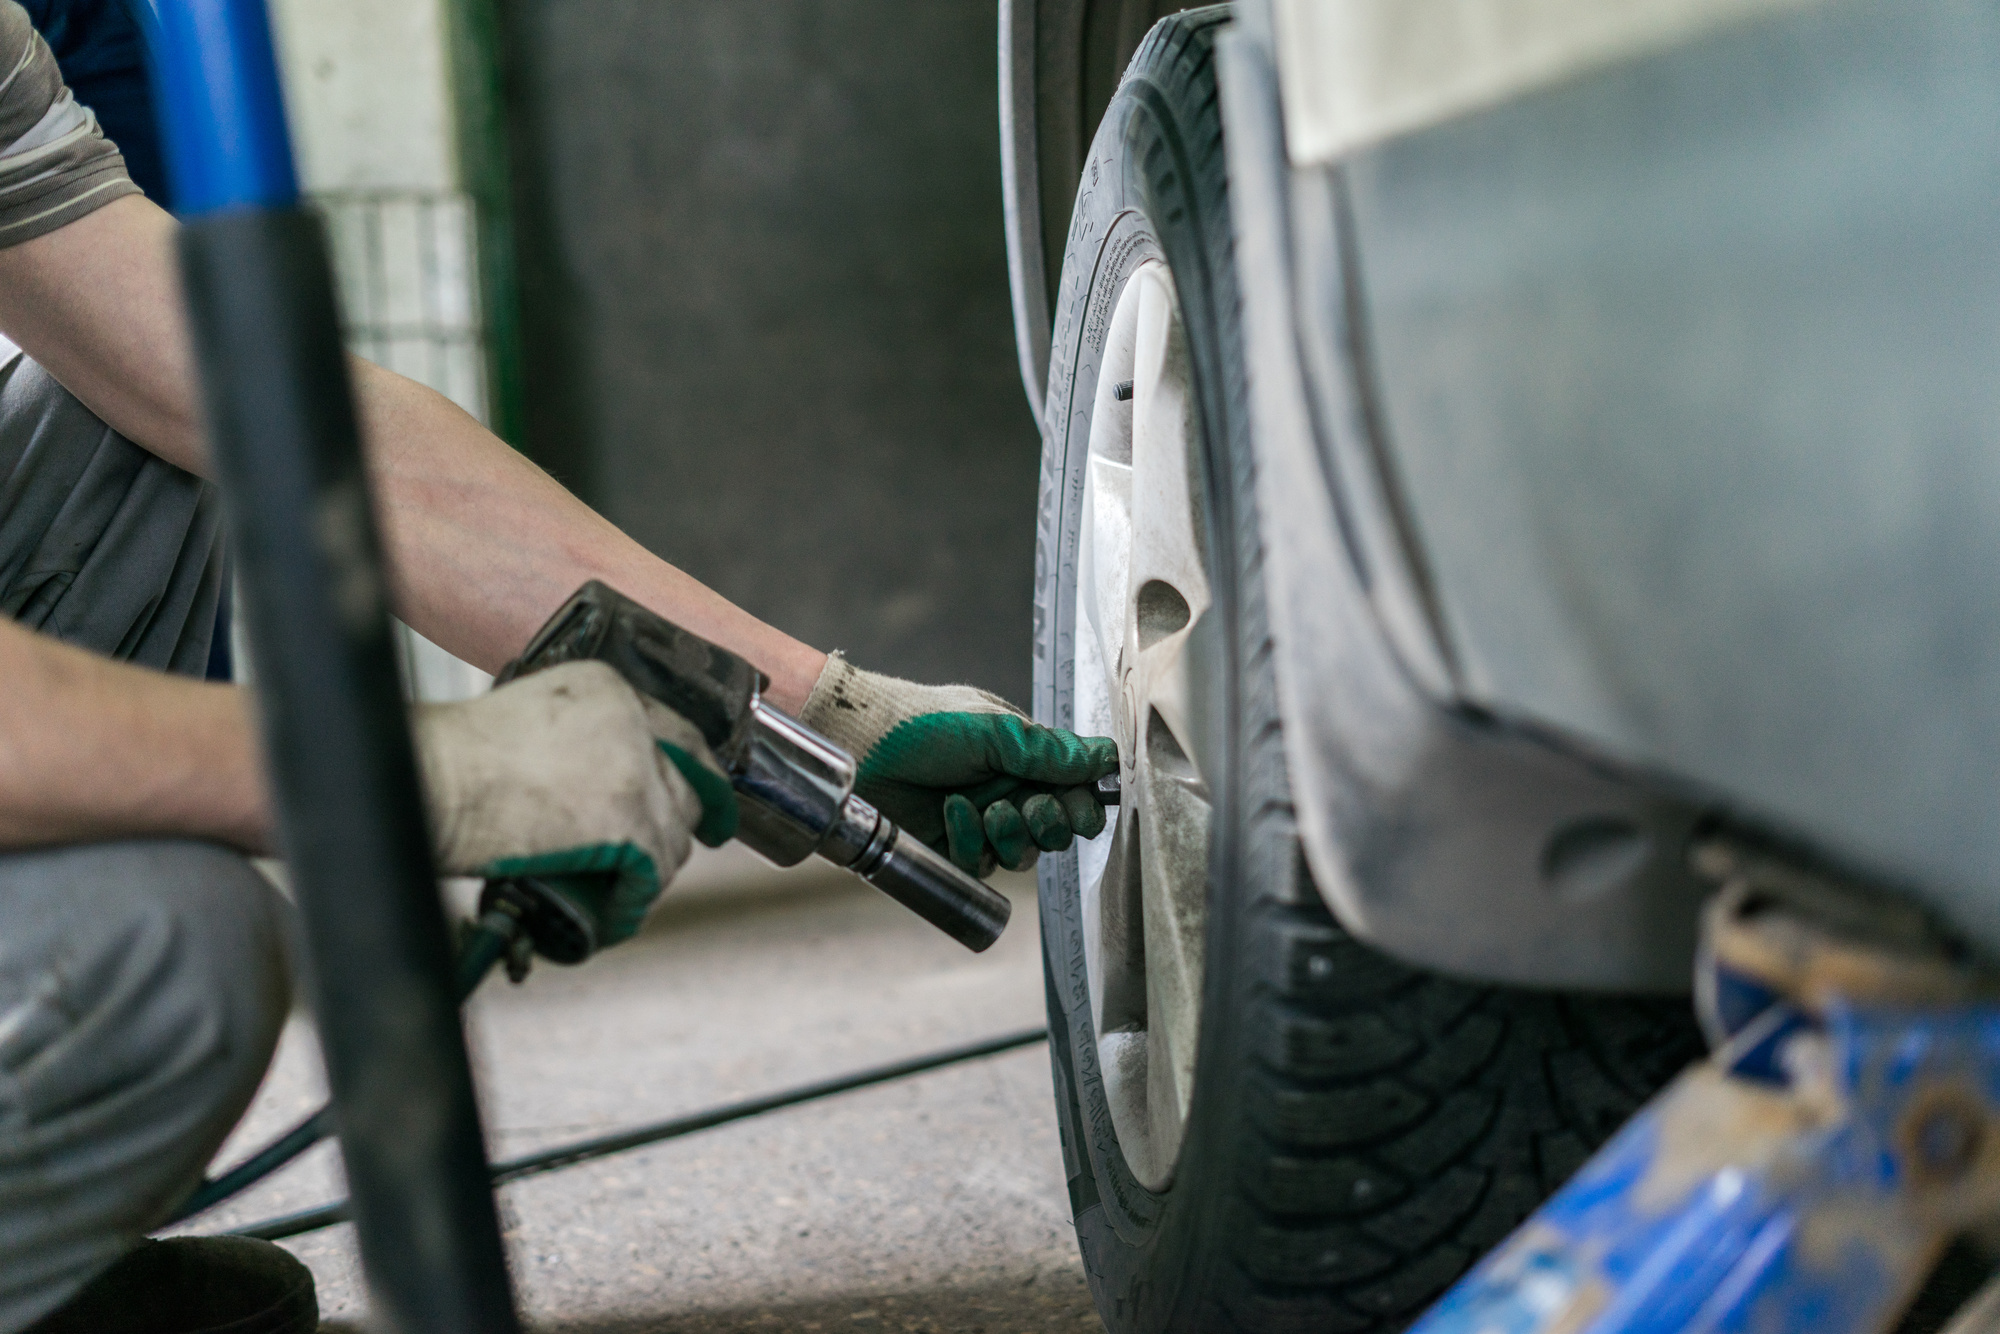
<point x="282" y="427"/>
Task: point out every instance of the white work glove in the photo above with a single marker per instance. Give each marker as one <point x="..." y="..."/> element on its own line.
<point x="962" y="770"/>
<point x="571" y="774"/>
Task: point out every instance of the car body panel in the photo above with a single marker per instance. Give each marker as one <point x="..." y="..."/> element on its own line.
<point x="1623" y="459"/>
<point x="1688" y="370"/>
<point x="1359" y="72"/>
<point x="1438" y="834"/>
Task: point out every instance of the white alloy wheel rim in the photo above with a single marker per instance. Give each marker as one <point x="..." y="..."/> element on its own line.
<point x="1142" y="589"/>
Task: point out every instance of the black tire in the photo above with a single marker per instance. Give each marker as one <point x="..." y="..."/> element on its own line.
<point x="1360" y="1131"/>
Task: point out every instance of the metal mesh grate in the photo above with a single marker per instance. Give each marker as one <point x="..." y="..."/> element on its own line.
<point x="406" y="264"/>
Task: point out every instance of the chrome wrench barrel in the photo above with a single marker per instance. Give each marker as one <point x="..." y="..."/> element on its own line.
<point x="796" y="793"/>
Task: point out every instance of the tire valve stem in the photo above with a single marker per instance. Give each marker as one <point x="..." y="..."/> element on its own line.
<point x="1122" y="391"/>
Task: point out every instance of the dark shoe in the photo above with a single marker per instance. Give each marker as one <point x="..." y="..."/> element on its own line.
<point x="194" y="1285"/>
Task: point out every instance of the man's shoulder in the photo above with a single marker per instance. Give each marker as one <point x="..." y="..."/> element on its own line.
<point x="29" y="79"/>
<point x="17" y="38"/>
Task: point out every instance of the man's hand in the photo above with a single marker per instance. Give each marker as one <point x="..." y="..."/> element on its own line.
<point x="570" y="772"/>
<point x="962" y="769"/>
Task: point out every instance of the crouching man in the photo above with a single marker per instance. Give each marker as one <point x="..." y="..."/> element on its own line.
<point x="142" y="962"/>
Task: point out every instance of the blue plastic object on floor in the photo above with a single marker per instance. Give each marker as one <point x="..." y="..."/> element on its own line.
<point x="1807" y="1177"/>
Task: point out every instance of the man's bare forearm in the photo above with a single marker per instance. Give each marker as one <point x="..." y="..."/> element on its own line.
<point x="484" y="545"/>
<point x="94" y="749"/>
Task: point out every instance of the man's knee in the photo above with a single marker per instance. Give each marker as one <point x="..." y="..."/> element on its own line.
<point x="132" y="973"/>
<point x="142" y="989"/>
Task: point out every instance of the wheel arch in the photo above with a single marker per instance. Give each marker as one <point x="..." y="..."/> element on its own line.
<point x="1060" y="66"/>
<point x="1434" y="831"/>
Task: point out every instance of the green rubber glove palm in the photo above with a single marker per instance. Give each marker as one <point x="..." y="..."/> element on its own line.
<point x="962" y="769"/>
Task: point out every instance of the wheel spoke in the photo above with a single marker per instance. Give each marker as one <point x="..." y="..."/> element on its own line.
<point x="1168" y="544"/>
<point x="1103" y="576"/>
<point x="1162" y="681"/>
<point x="1168" y="575"/>
<point x="1118" y="973"/>
<point x="1173" y="860"/>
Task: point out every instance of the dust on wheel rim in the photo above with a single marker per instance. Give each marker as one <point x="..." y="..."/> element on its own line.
<point x="1142" y="591"/>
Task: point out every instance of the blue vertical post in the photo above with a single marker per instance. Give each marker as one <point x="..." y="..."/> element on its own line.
<point x="282" y="427"/>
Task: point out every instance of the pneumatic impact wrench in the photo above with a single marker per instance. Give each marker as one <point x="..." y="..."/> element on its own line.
<point x="794" y="793"/>
<point x="794" y="788"/>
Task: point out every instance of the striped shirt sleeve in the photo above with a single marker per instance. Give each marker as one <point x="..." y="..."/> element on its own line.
<point x="55" y="163"/>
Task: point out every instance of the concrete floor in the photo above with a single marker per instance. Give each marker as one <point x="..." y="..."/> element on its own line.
<point x="933" y="1204"/>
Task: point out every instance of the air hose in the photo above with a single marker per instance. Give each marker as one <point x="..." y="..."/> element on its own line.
<point x="517" y="919"/>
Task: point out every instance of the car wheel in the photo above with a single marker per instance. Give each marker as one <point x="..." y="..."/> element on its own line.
<point x="1266" y="1124"/>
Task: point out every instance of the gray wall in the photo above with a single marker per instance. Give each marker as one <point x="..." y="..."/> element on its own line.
<point x="765" y="306"/>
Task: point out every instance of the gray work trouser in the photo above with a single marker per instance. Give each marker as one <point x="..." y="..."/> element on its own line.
<point x="142" y="984"/>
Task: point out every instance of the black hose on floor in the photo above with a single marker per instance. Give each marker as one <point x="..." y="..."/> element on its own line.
<point x="601" y="1146"/>
<point x="485" y="943"/>
<point x="259" y="1165"/>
